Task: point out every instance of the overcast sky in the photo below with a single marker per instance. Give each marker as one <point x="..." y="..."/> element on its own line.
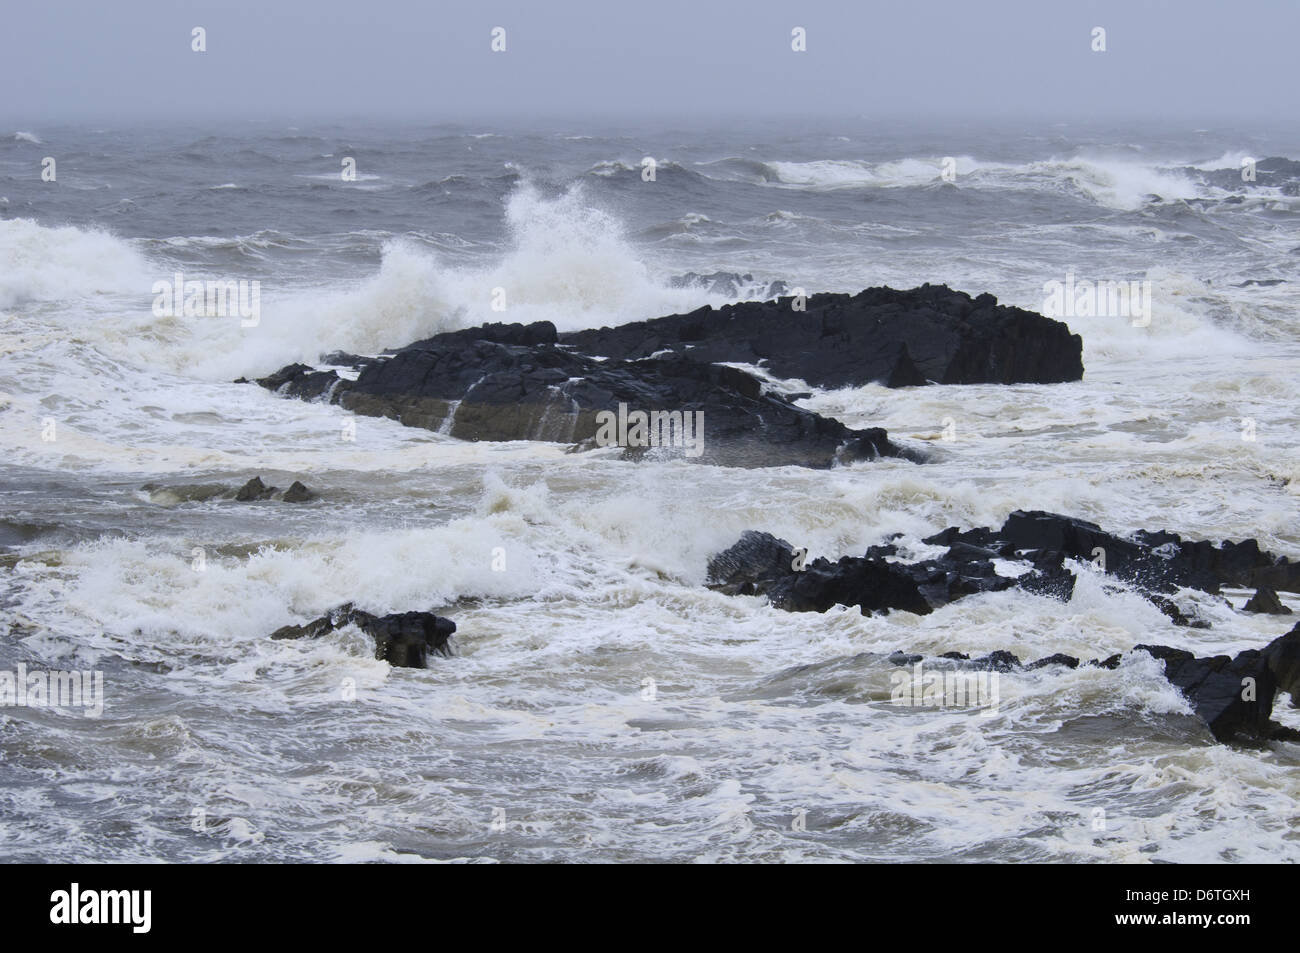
<point x="431" y="59"/>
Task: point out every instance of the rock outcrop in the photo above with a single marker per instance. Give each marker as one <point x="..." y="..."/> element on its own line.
<point x="1234" y="696"/>
<point x="930" y="334"/>
<point x="255" y="490"/>
<point x="1265" y="600"/>
<point x="512" y="382"/>
<point x="1155" y="564"/>
<point x="527" y="382"/>
<point x="403" y="639"/>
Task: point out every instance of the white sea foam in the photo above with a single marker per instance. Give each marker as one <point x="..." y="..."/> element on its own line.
<point x="39" y="263"/>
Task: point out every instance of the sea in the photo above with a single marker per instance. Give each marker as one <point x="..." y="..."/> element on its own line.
<point x="602" y="704"/>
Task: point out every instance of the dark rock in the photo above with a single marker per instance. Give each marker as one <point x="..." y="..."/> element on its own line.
<point x="297" y="493"/>
<point x="515" y="335"/>
<point x="497" y="388"/>
<point x="1266" y="600"/>
<point x="1069" y="661"/>
<point x="402" y="639"/>
<point x="903" y="658"/>
<point x="1155" y="564"/>
<point x="761" y="564"/>
<point x="998" y="661"/>
<point x="344" y="359"/>
<point x="254" y="489"/>
<point x="900" y="338"/>
<point x="1283" y="657"/>
<point x="1234" y="696"/>
<point x="526" y="382"/>
<point x="1175" y="614"/>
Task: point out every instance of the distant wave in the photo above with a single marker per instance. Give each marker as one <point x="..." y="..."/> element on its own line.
<point x="1123" y="184"/>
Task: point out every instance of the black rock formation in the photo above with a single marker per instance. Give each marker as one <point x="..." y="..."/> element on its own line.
<point x="1155" y="564"/>
<point x="526" y="382"/>
<point x="1234" y="696"/>
<point x="403" y="639"/>
<point x="511" y="382"/>
<point x="1266" y="600"/>
<point x="930" y="334"/>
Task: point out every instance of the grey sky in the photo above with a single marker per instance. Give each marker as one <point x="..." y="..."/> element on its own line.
<point x="1194" y="59"/>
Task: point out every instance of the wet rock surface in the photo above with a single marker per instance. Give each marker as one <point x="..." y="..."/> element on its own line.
<point x="930" y="334"/>
<point x="403" y="639"/>
<point x="506" y="382"/>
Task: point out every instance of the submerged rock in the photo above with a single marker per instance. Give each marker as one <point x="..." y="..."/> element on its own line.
<point x="252" y="491"/>
<point x="402" y="639"/>
<point x="1233" y="696"/>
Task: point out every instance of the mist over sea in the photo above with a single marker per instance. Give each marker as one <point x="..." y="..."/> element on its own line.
<point x="605" y="705"/>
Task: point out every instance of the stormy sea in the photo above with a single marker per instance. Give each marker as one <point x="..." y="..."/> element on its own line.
<point x="606" y="695"/>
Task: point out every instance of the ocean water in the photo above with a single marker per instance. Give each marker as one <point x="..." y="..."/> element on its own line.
<point x="603" y="704"/>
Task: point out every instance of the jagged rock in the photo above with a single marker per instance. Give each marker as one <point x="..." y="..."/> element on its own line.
<point x="402" y="639"/>
<point x="1233" y="696"/>
<point x="1156" y="562"/>
<point x="254" y="489"/>
<point x="1069" y="661"/>
<point x="761" y="564"/>
<point x="1266" y="600"/>
<point x="505" y="382"/>
<point x="526" y="382"/>
<point x="297" y="493"/>
<point x="1283" y="657"/>
<point x="900" y="338"/>
<point x="302" y="382"/>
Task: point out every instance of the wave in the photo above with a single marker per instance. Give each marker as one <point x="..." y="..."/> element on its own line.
<point x="1122" y="184"/>
<point x="566" y="261"/>
<point x="39" y="263"/>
